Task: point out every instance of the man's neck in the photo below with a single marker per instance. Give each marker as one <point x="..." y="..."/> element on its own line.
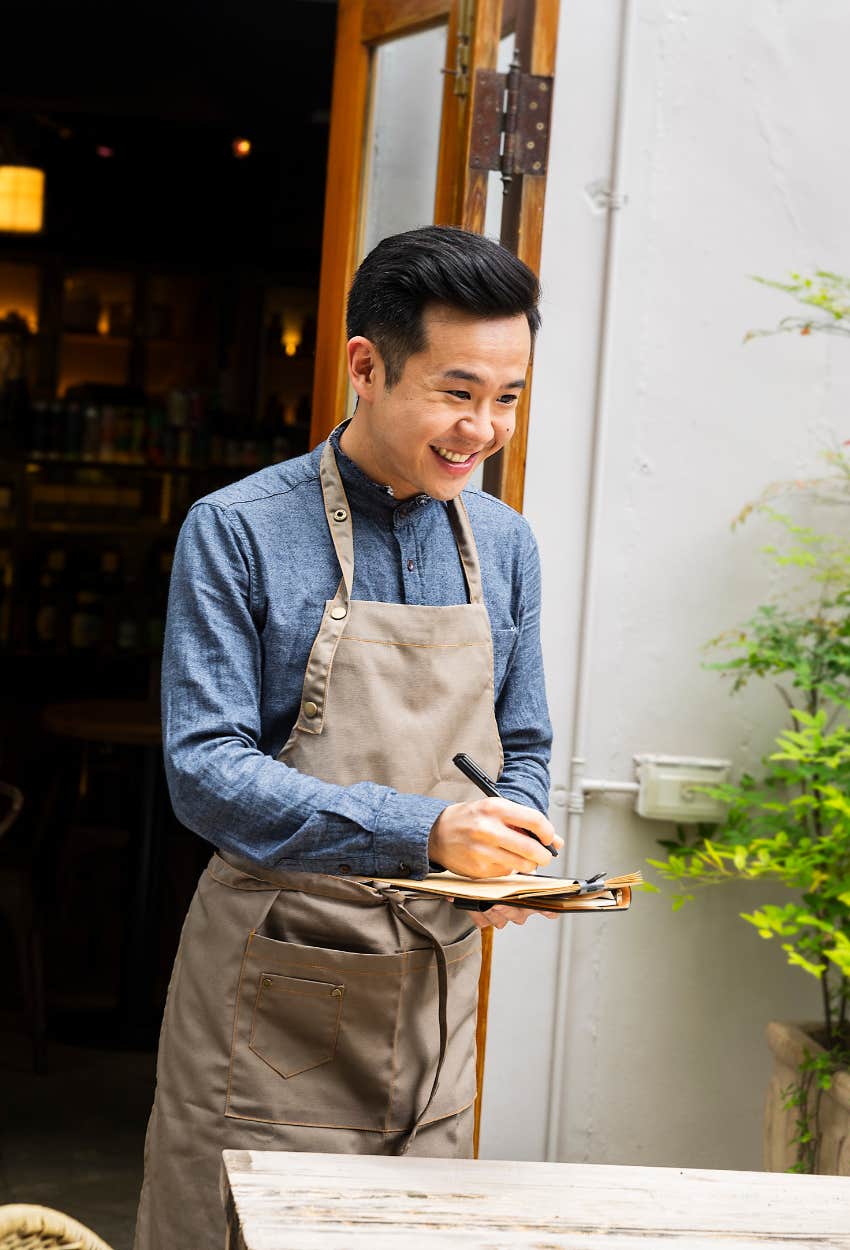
<point x="355" y="444"/>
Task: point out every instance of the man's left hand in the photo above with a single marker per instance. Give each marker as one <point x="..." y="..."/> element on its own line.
<point x="502" y="914"/>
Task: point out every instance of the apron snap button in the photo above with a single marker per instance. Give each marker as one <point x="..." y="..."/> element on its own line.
<point x="337" y="614"/>
<point x="311" y="709"/>
<point x="336" y="992"/>
<point x="267" y="982"/>
<point x="340" y="514"/>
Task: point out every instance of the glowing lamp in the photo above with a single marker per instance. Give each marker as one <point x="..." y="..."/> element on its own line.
<point x="241" y="148"/>
<point x="291" y="340"/>
<point x="21" y="199"/>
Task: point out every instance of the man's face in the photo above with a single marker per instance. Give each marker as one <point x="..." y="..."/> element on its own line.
<point x="453" y="406"/>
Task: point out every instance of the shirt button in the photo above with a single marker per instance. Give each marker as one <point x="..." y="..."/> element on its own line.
<point x="404" y="869"/>
<point x="411" y="565"/>
<point x="402" y="512"/>
<point x="343" y="868"/>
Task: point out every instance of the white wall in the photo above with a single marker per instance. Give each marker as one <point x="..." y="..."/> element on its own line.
<point x="734" y="162"/>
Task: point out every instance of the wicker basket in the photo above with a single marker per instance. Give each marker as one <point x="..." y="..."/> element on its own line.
<point x="25" y="1227"/>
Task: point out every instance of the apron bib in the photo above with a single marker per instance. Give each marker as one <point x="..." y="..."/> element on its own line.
<point x="315" y="1012"/>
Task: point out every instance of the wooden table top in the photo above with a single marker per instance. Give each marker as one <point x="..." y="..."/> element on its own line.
<point x="277" y="1200"/>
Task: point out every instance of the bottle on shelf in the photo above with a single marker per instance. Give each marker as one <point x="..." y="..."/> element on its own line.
<point x="87" y="615"/>
<point x="52" y="601"/>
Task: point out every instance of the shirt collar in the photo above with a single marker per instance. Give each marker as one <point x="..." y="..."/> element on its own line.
<point x="364" y="494"/>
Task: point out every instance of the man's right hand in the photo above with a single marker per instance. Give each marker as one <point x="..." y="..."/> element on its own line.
<point x="484" y="839"/>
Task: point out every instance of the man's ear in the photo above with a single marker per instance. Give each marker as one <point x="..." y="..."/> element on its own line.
<point x="365" y="367"/>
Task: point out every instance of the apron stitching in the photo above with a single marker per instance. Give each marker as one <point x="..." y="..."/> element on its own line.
<point x="356" y="1128"/>
<point x="423" y="967"/>
<point x="425" y="646"/>
<point x="298" y="1071"/>
<point x="273" y="989"/>
<point x="233" y="1040"/>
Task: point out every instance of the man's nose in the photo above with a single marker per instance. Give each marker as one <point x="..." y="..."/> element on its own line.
<point x="478" y="424"/>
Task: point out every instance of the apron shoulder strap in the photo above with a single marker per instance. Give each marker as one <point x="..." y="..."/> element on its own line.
<point x="338" y="515"/>
<point x="467" y="549"/>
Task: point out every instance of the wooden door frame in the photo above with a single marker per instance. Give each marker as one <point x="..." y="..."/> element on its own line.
<point x="460" y="199"/>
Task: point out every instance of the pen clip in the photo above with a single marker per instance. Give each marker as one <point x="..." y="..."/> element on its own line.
<point x="593" y="884"/>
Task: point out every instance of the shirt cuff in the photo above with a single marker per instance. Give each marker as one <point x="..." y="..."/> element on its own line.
<point x="401" y="834"/>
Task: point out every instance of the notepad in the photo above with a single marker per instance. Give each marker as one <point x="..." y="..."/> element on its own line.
<point x="526" y="890"/>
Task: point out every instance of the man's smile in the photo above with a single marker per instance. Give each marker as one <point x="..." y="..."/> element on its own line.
<point x="462" y="459"/>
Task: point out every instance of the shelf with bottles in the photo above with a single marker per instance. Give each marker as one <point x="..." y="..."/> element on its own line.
<point x="186" y="430"/>
<point x="65" y="597"/>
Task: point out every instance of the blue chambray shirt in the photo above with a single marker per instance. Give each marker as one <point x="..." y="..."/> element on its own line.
<point x="253" y="568"/>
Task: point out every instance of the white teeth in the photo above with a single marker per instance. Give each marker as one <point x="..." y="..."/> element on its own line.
<point x="455" y="457"/>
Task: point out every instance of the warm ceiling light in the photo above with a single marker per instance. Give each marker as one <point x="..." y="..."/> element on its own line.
<point x="241" y="148"/>
<point x="21" y="199"/>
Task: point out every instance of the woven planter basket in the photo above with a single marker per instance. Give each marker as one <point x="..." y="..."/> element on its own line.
<point x="35" y="1228"/>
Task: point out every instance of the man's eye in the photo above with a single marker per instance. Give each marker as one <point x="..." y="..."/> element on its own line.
<point x="508" y="399"/>
<point x="460" y="394"/>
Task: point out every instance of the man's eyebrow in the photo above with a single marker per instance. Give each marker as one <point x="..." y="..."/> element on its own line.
<point x="463" y="375"/>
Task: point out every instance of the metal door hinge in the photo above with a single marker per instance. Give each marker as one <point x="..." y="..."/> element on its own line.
<point x="510" y="122"/>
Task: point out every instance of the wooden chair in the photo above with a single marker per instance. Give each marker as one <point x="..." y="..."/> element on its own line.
<point x="24" y="1227"/>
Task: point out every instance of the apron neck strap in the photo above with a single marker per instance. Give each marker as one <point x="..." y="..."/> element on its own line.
<point x="338" y="513"/>
<point x="466" y="548"/>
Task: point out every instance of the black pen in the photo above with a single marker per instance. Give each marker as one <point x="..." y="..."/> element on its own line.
<point x="487" y="786"/>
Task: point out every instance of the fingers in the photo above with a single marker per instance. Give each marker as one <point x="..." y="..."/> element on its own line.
<point x="529" y="818"/>
<point x="522" y="821"/>
<point x="503" y="914"/>
<point x="522" y="848"/>
<point x="486" y="838"/>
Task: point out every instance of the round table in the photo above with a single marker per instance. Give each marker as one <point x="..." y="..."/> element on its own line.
<point x="132" y="723"/>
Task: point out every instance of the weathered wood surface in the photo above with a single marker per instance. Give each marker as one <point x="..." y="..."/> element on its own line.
<point x="283" y="1201"/>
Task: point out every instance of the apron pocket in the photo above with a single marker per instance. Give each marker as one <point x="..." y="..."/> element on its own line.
<point x="305" y="1054"/>
<point x="295" y="1023"/>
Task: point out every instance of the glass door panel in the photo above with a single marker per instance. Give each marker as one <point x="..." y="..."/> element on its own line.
<point x="403" y="135"/>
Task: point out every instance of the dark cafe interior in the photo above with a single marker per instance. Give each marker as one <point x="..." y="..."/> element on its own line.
<point x="160" y="230"/>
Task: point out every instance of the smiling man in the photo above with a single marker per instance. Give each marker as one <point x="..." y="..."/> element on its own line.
<point x="340" y="626"/>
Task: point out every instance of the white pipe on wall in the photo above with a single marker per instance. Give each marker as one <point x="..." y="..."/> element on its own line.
<point x="588" y="582"/>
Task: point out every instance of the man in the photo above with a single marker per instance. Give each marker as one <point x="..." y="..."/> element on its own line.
<point x="340" y="626"/>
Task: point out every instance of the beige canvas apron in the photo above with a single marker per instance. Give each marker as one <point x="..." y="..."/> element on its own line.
<point x="314" y="1012"/>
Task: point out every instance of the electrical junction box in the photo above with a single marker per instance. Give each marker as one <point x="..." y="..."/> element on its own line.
<point x="667" y="788"/>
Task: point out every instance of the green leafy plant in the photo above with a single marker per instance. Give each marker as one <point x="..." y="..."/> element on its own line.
<point x="791" y="825"/>
<point x="828" y="294"/>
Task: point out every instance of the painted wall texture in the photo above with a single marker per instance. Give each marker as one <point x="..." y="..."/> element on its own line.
<point x="734" y="162"/>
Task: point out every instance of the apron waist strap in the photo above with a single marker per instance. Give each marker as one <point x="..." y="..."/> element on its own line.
<point x="401" y="913"/>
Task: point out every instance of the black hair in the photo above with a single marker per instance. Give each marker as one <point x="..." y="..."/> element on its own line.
<point x="434" y="265"/>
